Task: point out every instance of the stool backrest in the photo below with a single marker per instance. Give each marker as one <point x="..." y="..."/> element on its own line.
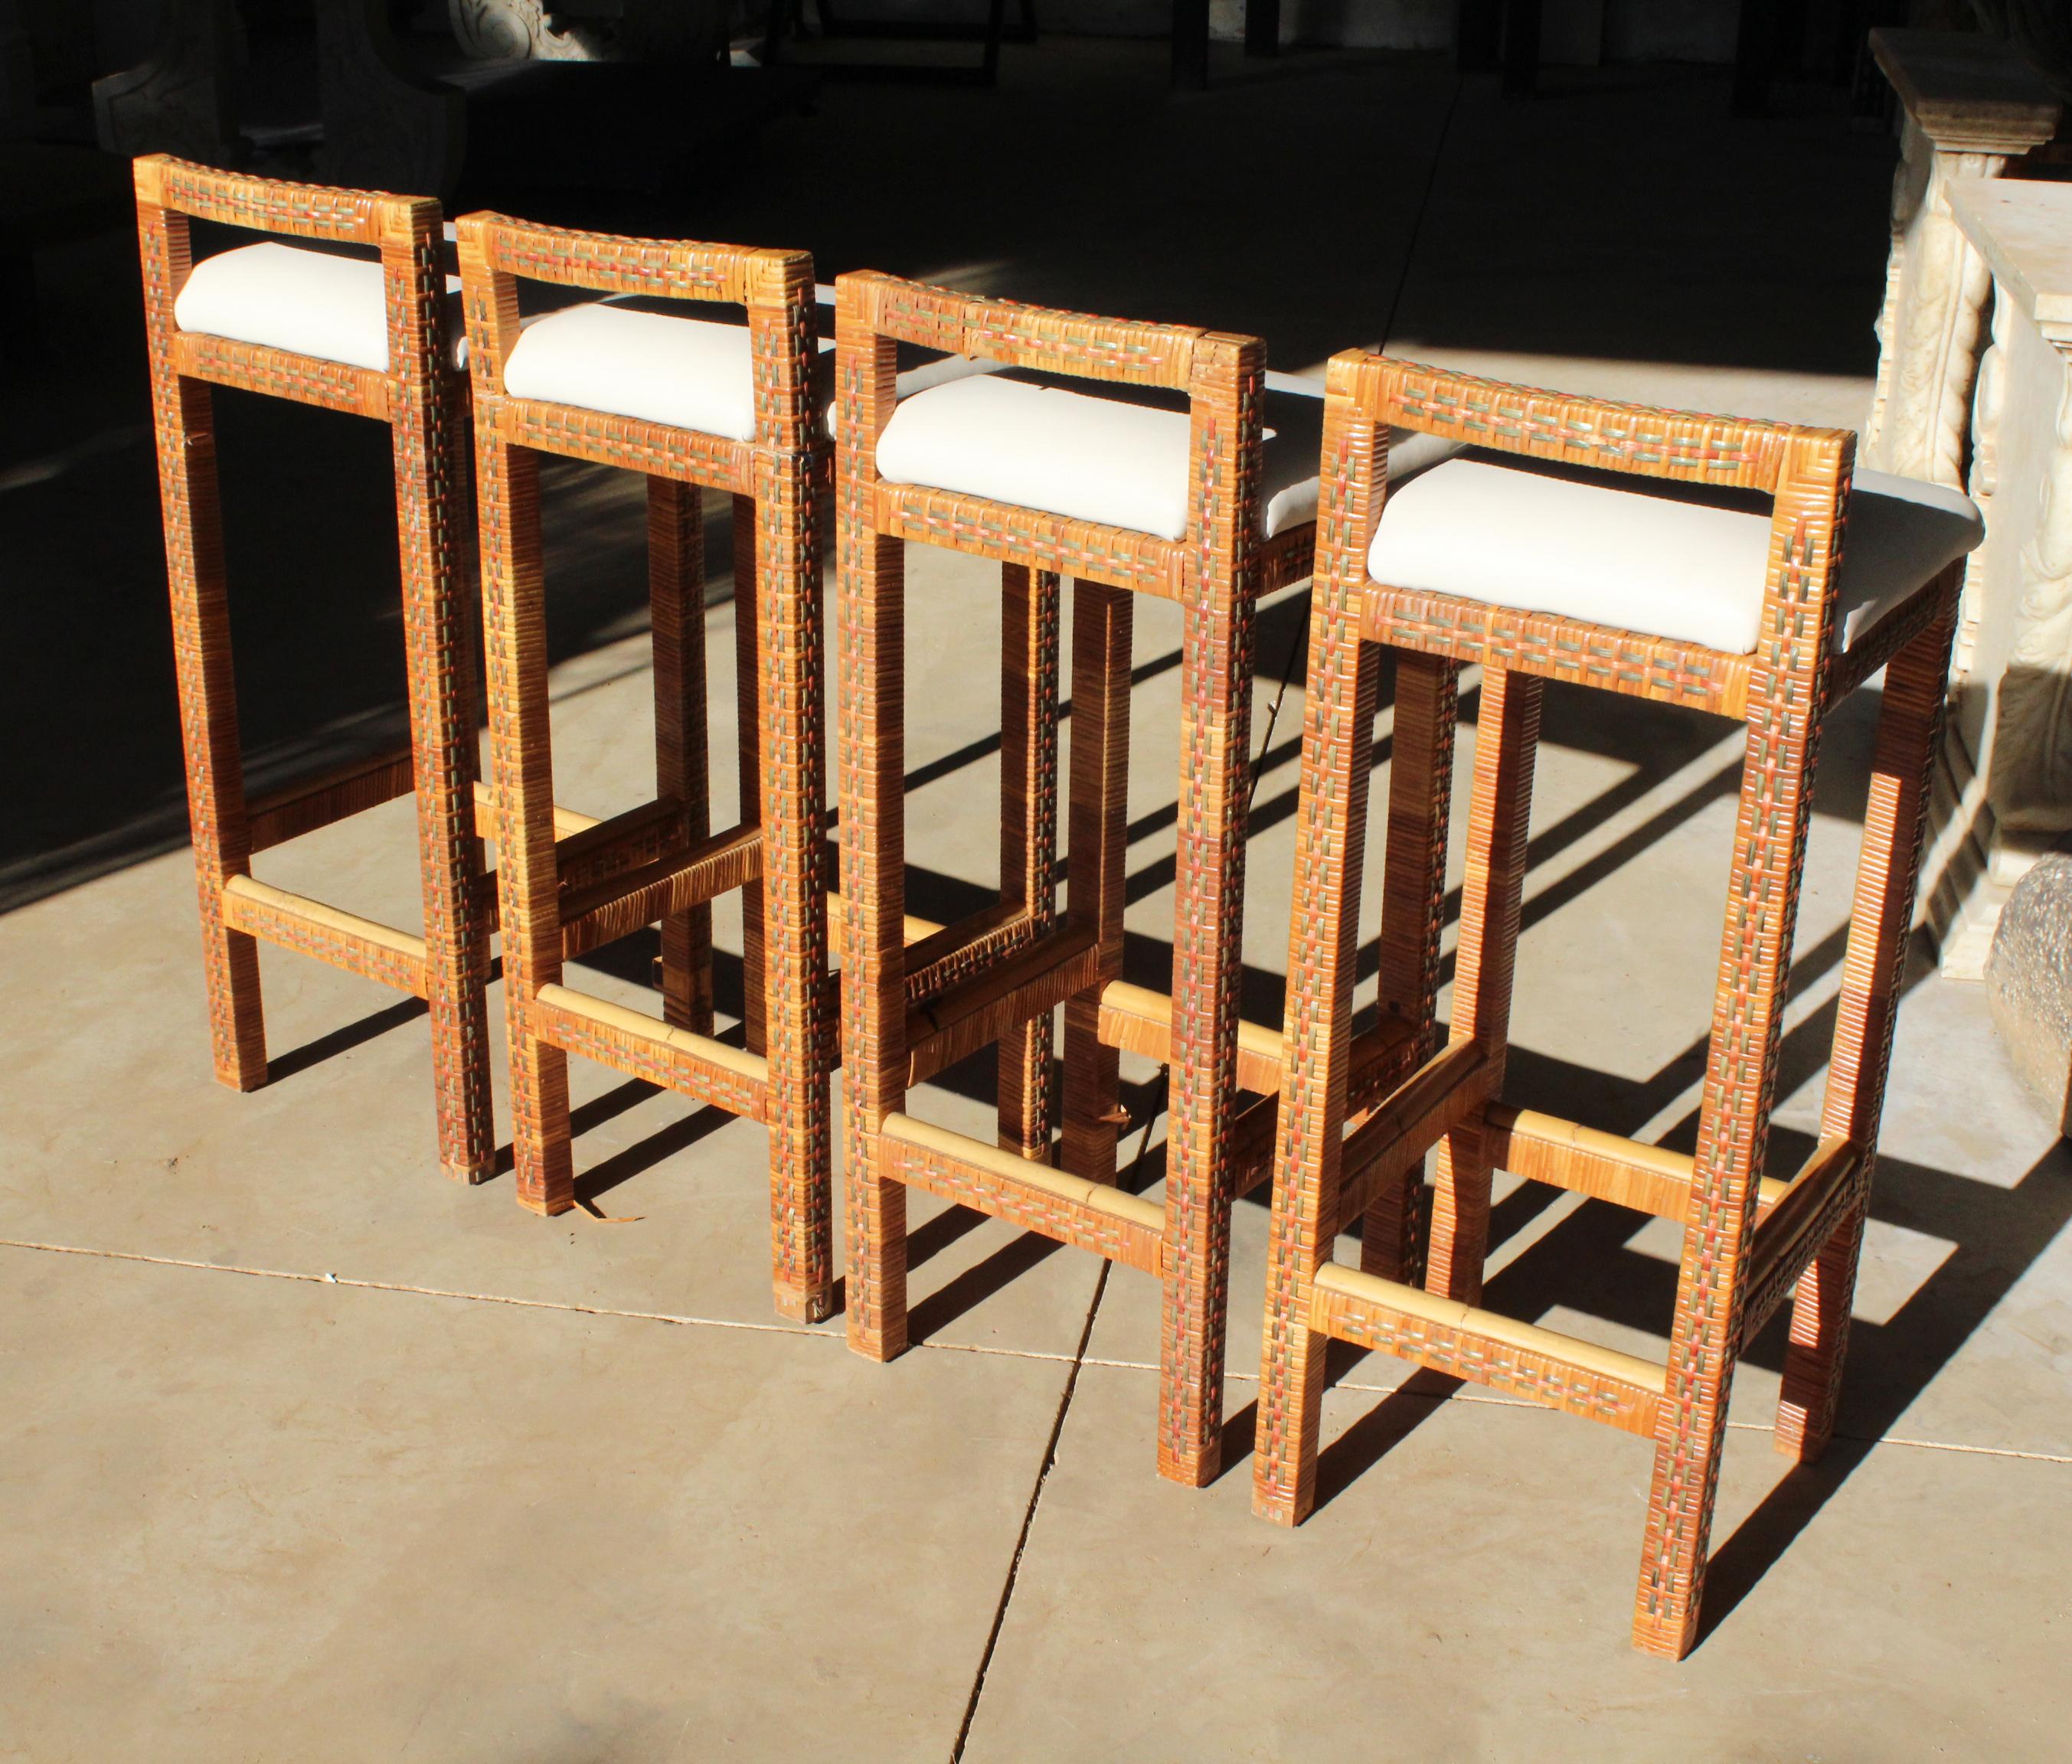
<point x="775" y="286"/>
<point x="1806" y="471"/>
<point x="406" y="230"/>
<point x="1223" y="375"/>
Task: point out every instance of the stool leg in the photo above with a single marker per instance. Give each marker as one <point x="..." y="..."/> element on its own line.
<point x="1733" y="1128"/>
<point x="794" y="812"/>
<point x="1028" y="828"/>
<point x="208" y="716"/>
<point x="1872" y="971"/>
<point x="1208" y="910"/>
<point x="748" y="699"/>
<point x="1499" y="815"/>
<point x="870" y="669"/>
<point x="439" y="647"/>
<point x="1098" y="838"/>
<point x="676" y="601"/>
<point x="1330" y="851"/>
<point x="1413" y="905"/>
<point x="522" y="766"/>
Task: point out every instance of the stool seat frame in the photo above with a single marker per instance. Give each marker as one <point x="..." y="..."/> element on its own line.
<point x="568" y="886"/>
<point x="908" y="1013"/>
<point x="1748" y="1244"/>
<point x="424" y="403"/>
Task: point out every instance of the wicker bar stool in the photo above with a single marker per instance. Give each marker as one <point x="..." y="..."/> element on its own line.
<point x="372" y="339"/>
<point x="1127" y="499"/>
<point x="687" y="403"/>
<point x="1546" y="571"/>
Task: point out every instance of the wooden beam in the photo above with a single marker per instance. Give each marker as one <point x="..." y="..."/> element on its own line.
<point x="643" y="1046"/>
<point x="361" y="946"/>
<point x="1428" y="1104"/>
<point x="311" y="803"/>
<point x="1520" y="1359"/>
<point x="959" y="1023"/>
<point x="1090" y="1215"/>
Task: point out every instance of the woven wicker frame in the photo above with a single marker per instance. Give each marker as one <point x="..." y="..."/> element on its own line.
<point x="424" y="403"/>
<point x="908" y="1012"/>
<point x="566" y="890"/>
<point x="1748" y="1243"/>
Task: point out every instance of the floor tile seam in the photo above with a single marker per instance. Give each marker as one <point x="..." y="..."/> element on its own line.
<point x="1079" y="1359"/>
<point x="686" y="1321"/>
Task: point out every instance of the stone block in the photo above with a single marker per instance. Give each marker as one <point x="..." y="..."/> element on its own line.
<point x="2028" y="980"/>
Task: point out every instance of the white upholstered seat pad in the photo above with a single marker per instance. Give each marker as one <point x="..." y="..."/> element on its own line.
<point x="1100" y="459"/>
<point x="686" y="373"/>
<point x="1690" y="571"/>
<point x="310" y="302"/>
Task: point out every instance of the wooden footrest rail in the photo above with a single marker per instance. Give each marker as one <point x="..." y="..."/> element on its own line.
<point x="1090" y="1215"/>
<point x="1035" y="980"/>
<point x="1139" y="1021"/>
<point x="941" y="959"/>
<point x="620" y="905"/>
<point x="643" y="1046"/>
<point x="1499" y="1351"/>
<point x="1546" y="1148"/>
<point x="1426" y="1106"/>
<point x="311" y="803"/>
<point x="1792" y="1229"/>
<point x="361" y="946"/>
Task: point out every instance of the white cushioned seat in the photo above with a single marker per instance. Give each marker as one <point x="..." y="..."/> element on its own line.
<point x="1014" y="439"/>
<point x="1652" y="556"/>
<point x="687" y="373"/>
<point x="288" y="297"/>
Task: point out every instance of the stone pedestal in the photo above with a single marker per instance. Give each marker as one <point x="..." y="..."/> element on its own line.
<point x="1970" y="103"/>
<point x="1972" y="108"/>
<point x="2008" y="746"/>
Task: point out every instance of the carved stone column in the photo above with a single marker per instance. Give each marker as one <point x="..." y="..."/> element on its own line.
<point x="2007" y="791"/>
<point x="1972" y="108"/>
<point x="1971" y="104"/>
<point x="591" y="30"/>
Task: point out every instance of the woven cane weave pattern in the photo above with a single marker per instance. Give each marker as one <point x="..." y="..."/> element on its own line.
<point x="305" y="379"/>
<point x="1213" y="572"/>
<point x="306" y="211"/>
<point x="1029" y="626"/>
<point x="777" y="856"/>
<point x="417" y="398"/>
<point x="1780" y="691"/>
<point x="1040" y="338"/>
<point x="1497" y="1365"/>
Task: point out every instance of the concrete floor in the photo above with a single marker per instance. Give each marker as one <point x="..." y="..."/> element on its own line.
<point x="305" y="1452"/>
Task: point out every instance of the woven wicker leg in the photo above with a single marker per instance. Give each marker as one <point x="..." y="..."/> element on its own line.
<point x="521" y="763"/>
<point x="209" y="714"/>
<point x="1507" y="738"/>
<point x="1873" y="973"/>
<point x="676" y="597"/>
<point x="439" y="642"/>
<point x="1028" y="623"/>
<point x="1413" y="900"/>
<point x="1330" y="849"/>
<point x="794" y="779"/>
<point x="870" y="669"/>
<point x="1740" y="1078"/>
<point x="748" y="698"/>
<point x="1208" y="908"/>
<point x="1098" y="839"/>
